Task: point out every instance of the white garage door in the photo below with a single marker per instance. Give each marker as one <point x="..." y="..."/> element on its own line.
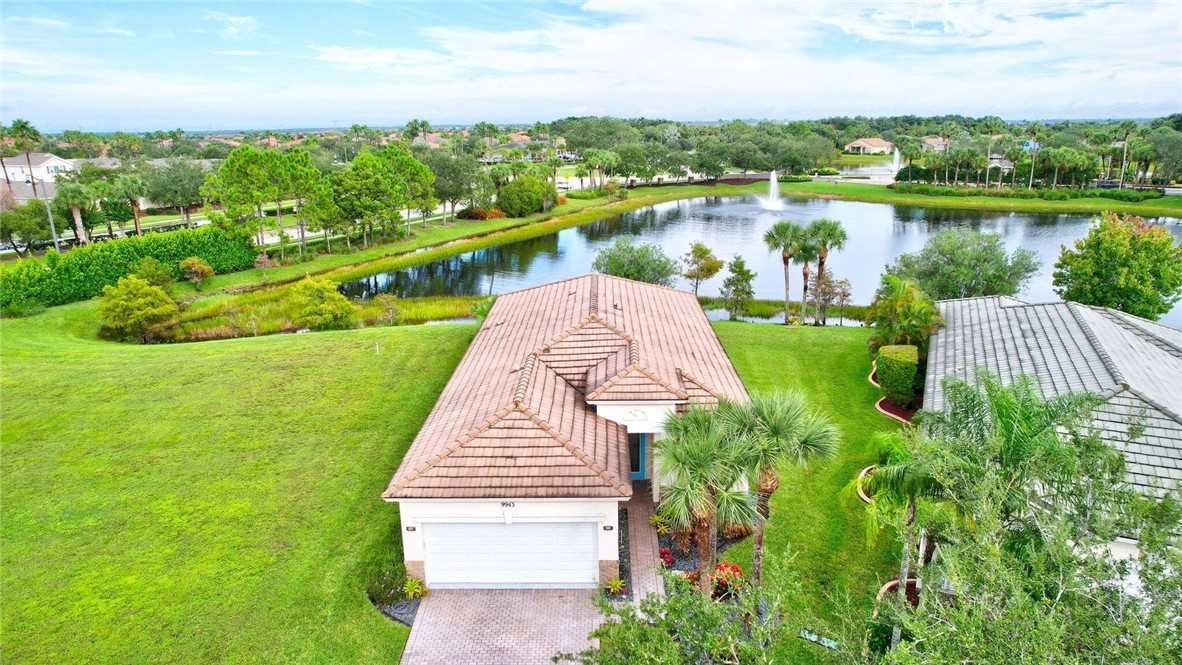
<point x="514" y="556"/>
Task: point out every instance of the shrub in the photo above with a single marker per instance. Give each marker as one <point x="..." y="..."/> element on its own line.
<point x="585" y="194"/>
<point x="317" y="304"/>
<point x="660" y="523"/>
<point x="1126" y="195"/>
<point x="133" y="307"/>
<point x="481" y="308"/>
<point x="828" y="170"/>
<point x="481" y="213"/>
<point x="153" y="272"/>
<point x="895" y="369"/>
<point x="195" y="270"/>
<point x="82" y="272"/>
<point x="644" y="262"/>
<point x="795" y="178"/>
<point x="525" y="196"/>
<point x="390" y="312"/>
<point x="413" y="588"/>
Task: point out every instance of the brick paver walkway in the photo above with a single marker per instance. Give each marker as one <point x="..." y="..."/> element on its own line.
<point x="642" y="538"/>
<point x="499" y="626"/>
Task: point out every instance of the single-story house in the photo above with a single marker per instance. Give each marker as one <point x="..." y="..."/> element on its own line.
<point x="45" y="166"/>
<point x="1134" y="363"/>
<point x="516" y="477"/>
<point x="933" y="144"/>
<point x="869" y="146"/>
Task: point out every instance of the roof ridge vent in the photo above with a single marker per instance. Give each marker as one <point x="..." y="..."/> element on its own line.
<point x="527" y="371"/>
<point x="594" y="306"/>
<point x="633" y="352"/>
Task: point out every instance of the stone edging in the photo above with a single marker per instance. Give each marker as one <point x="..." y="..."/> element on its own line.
<point x="861" y="492"/>
<point x="870" y="376"/>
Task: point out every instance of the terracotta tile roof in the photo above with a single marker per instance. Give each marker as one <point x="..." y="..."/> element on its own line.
<point x="513" y="421"/>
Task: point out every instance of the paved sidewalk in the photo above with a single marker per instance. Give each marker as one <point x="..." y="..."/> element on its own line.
<point x="642" y="540"/>
<point x="499" y="626"/>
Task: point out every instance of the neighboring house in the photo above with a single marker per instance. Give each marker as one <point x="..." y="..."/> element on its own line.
<point x="869" y="146"/>
<point x="1135" y="364"/>
<point x="515" y="479"/>
<point x="45" y="166"/>
<point x="934" y="144"/>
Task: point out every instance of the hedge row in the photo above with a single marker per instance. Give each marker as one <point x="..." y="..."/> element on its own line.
<point x="1127" y="195"/>
<point x="895" y="369"/>
<point x="82" y="272"/>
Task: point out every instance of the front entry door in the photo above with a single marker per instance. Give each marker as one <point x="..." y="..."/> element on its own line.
<point x="638" y="455"/>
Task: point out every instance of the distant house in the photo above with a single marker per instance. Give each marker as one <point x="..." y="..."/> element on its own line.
<point x="549" y="422"/>
<point x="1133" y="363"/>
<point x="869" y="146"/>
<point x="44" y="166"/>
<point x="934" y="144"/>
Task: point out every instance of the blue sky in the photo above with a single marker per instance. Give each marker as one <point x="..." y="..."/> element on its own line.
<point x="105" y="66"/>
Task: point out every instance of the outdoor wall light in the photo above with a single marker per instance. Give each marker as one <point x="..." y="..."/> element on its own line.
<point x="608" y="527"/>
<point x="410" y="528"/>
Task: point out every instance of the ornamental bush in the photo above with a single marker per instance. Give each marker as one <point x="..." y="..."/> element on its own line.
<point x="1126" y="195"/>
<point x="82" y="272"/>
<point x="895" y="369"/>
<point x="133" y="308"/>
<point x="525" y="196"/>
<point x="316" y="304"/>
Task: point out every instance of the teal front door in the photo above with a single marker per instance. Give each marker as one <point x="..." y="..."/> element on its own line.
<point x="638" y="456"/>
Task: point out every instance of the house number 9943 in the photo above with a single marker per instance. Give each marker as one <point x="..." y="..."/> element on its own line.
<point x="506" y="504"/>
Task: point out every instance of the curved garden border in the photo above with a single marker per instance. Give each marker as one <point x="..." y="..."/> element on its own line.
<point x="873" y="371"/>
<point x="862" y="476"/>
<point x="878" y="407"/>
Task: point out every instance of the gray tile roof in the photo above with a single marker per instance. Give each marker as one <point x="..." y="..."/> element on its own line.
<point x="1135" y="363"/>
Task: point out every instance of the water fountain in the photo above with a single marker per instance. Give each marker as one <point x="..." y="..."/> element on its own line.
<point x="772" y="201"/>
<point x="895" y="165"/>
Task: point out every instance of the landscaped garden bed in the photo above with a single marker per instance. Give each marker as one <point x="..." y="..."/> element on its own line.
<point x="625" y="575"/>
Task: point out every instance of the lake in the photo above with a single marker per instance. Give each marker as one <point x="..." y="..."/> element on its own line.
<point x="735" y="225"/>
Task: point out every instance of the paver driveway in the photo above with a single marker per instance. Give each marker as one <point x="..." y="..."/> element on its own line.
<point x="499" y="626"/>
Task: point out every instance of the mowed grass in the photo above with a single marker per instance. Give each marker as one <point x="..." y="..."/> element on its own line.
<point x="213" y="502"/>
<point x="811" y="519"/>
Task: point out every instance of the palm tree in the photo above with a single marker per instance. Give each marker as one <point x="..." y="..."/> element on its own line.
<point x="1125" y="128"/>
<point x="704" y="462"/>
<point x="1035" y="129"/>
<point x="75" y="196"/>
<point x="786" y="237"/>
<point x="902" y="314"/>
<point x="910" y="149"/>
<point x="4" y="152"/>
<point x="783" y="431"/>
<point x="827" y="234"/>
<point x="99" y="191"/>
<point x="807" y="252"/>
<point x="25" y="137"/>
<point x="898" y="482"/>
<point x="132" y="188"/>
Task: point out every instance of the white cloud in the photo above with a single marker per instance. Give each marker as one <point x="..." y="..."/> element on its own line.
<point x="233" y="26"/>
<point x="236" y="52"/>
<point x="38" y="21"/>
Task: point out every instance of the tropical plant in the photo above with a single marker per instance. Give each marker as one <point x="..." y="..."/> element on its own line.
<point x="782" y="430"/>
<point x="615" y="587"/>
<point x="827" y="234"/>
<point x="786" y="237"/>
<point x="1124" y="263"/>
<point x="76" y="197"/>
<point x="807" y="252"/>
<point x="902" y="314"/>
<point x="705" y="466"/>
<point x="25" y="138"/>
<point x="413" y="588"/>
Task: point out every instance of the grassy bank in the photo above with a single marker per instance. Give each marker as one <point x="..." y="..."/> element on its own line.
<point x="824" y="532"/>
<point x="1170" y="206"/>
<point x="767" y="309"/>
<point x="202" y="503"/>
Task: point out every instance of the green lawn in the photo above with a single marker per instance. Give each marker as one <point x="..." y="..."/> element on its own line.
<point x="809" y="517"/>
<point x="218" y="502"/>
<point x="198" y="503"/>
